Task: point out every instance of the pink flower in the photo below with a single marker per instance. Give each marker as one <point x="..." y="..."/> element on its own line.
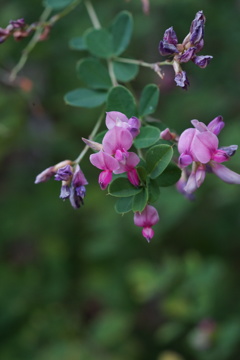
<point x="108" y="164"/>
<point x="116" y="118"/>
<point x="146" y="219"/>
<point x="128" y="165"/>
<point x="199" y="147"/>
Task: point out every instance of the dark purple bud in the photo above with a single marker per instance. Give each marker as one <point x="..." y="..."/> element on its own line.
<point x="76" y="196"/>
<point x="166" y="49"/>
<point x="187" y="55"/>
<point x="78" y="178"/>
<point x="202" y="61"/>
<point x="170" y="36"/>
<point x="229" y="150"/>
<point x="64" y="173"/>
<point x="199" y="46"/>
<point x="17" y="23"/>
<point x="65" y="192"/>
<point x="198" y="17"/>
<point x="197" y="33"/>
<point x="182" y="80"/>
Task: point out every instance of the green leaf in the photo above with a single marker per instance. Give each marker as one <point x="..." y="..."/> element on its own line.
<point x="57" y="4"/>
<point x="154" y="190"/>
<point x="77" y="43"/>
<point x="121" y="99"/>
<point x="148" y="136"/>
<point x="85" y="98"/>
<point x="99" y="42"/>
<point x="149" y="99"/>
<point x="169" y="176"/>
<point x="124" y="205"/>
<point x="157" y="159"/>
<point x="121" y="30"/>
<point x="94" y="73"/>
<point x="140" y="200"/>
<point x="121" y="187"/>
<point x="125" y="72"/>
<point x="142" y="173"/>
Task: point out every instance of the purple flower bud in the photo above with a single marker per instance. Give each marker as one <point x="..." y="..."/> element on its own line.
<point x="77" y="190"/>
<point x="45" y="175"/>
<point x="167" y="135"/>
<point x="134" y="126"/>
<point x="17" y="23"/>
<point x="187" y="55"/>
<point x="199" y="45"/>
<point x="202" y="61"/>
<point x="78" y="178"/>
<point x="182" y="80"/>
<point x="166" y="48"/>
<point x="64" y="173"/>
<point x="170" y="36"/>
<point x="216" y="125"/>
<point x="229" y="150"/>
<point x="197" y="32"/>
<point x="65" y="192"/>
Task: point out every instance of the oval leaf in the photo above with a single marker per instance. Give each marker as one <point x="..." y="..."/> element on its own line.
<point x="94" y="73"/>
<point x="149" y="100"/>
<point x="169" y="176"/>
<point x="125" y="72"/>
<point x="124" y="205"/>
<point x="85" y="98"/>
<point x="99" y="42"/>
<point x="121" y="187"/>
<point x="57" y="4"/>
<point x="157" y="159"/>
<point x="148" y="136"/>
<point x="154" y="190"/>
<point x="121" y="30"/>
<point x="121" y="99"/>
<point x="77" y="43"/>
<point x="140" y="201"/>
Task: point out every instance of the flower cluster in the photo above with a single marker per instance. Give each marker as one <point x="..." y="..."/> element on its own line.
<point x="199" y="146"/>
<point x="114" y="156"/>
<point x="73" y="181"/>
<point x="19" y="30"/>
<point x="186" y="51"/>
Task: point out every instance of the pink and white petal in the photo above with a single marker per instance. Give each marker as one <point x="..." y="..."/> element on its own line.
<point x="132" y="160"/>
<point x="200" y="126"/>
<point x="113" y="117"/>
<point x="225" y="174"/>
<point x="151" y="214"/>
<point x="117" y="138"/>
<point x="148" y="233"/>
<point x="201" y="149"/>
<point x="185" y="140"/>
<point x="200" y="175"/>
<point x="104" y="161"/>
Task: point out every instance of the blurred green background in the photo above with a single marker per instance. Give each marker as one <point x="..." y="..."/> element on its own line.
<point x="85" y="285"/>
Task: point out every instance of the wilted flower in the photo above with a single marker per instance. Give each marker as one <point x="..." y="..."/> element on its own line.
<point x="199" y="146"/>
<point x="186" y="51"/>
<point x="73" y="181"/>
<point x="146" y="219"/>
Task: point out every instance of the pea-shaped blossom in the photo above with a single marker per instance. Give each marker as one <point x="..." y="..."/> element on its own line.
<point x="187" y="50"/>
<point x="146" y="219"/>
<point x="199" y="146"/>
<point x="114" y="157"/>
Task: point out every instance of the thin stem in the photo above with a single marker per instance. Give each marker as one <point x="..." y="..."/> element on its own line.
<point x="111" y="73"/>
<point x="92" y="14"/>
<point x="91" y="137"/>
<point x="142" y="63"/>
<point x="32" y="43"/>
<point x="66" y="11"/>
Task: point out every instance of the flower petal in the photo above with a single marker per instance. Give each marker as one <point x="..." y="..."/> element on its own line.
<point x="104" y="161"/>
<point x="225" y="174"/>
